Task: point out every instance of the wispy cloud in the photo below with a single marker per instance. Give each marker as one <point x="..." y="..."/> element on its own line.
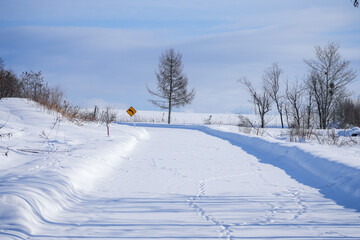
<point x="109" y="49"/>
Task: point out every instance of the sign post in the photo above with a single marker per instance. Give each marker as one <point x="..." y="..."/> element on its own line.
<point x="131" y="111"/>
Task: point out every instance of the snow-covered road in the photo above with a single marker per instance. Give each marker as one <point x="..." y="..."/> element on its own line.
<point x="164" y="182"/>
<point x="185" y="184"/>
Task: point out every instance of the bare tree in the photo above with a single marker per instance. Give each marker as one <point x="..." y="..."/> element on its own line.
<point x="271" y="80"/>
<point x="309" y="108"/>
<point x="108" y="116"/>
<point x="261" y="100"/>
<point x="171" y="83"/>
<point x="328" y="76"/>
<point x="294" y="96"/>
<point x="33" y="85"/>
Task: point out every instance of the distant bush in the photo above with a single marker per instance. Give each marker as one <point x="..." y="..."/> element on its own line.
<point x="10" y="85"/>
<point x="31" y="85"/>
<point x="347" y="113"/>
<point x="248" y="126"/>
<point x="207" y="121"/>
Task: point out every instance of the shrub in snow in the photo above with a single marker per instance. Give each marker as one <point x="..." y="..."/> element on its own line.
<point x="207" y="121"/>
<point x="107" y="116"/>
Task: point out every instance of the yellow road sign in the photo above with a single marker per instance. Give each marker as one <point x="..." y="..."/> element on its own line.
<point x="131" y="111"/>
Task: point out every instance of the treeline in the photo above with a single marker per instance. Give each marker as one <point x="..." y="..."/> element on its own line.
<point x="348" y="112"/>
<point x="321" y="100"/>
<point x="31" y="85"/>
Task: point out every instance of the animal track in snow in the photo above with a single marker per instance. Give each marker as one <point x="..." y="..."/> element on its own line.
<point x="194" y="203"/>
<point x="292" y="195"/>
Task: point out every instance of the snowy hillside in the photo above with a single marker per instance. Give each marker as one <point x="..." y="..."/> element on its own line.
<point x="59" y="180"/>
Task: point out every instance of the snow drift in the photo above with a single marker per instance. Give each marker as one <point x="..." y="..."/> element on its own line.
<point x="48" y="163"/>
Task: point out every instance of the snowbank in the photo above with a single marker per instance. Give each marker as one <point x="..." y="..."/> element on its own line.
<point x="48" y="163"/>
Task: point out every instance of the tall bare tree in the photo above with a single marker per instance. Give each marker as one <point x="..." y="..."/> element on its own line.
<point x="171" y="83"/>
<point x="271" y="79"/>
<point x="261" y="100"/>
<point x="328" y="76"/>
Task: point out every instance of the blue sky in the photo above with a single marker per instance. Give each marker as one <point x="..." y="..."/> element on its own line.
<point x="105" y="52"/>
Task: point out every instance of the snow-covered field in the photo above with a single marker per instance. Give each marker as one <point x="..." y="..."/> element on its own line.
<point x="191" y="118"/>
<point x="63" y="181"/>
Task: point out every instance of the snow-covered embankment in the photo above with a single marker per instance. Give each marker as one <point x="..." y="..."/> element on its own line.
<point x="48" y="163"/>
